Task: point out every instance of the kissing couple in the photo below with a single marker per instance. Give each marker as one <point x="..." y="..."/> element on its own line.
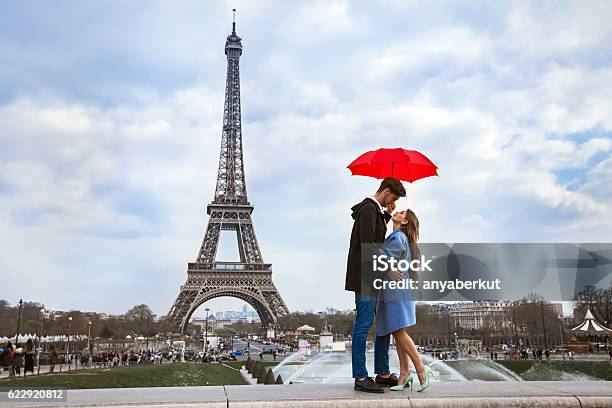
<point x="393" y="310"/>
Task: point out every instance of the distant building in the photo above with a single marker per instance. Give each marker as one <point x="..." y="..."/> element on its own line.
<point x="478" y="315"/>
<point x="221" y="323"/>
<point x="493" y="314"/>
<point x="202" y="321"/>
<point x="569" y="321"/>
<point x="224" y="318"/>
<point x="557" y="309"/>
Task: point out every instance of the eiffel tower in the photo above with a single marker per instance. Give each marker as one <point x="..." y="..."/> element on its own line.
<point x="251" y="278"/>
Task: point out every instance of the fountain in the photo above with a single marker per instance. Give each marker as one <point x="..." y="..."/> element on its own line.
<point x="290" y="364"/>
<point x="324" y="368"/>
<point x="336" y="368"/>
<point x="544" y="371"/>
<point x="485" y="370"/>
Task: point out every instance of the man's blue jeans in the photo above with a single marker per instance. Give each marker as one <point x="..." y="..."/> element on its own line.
<point x="366" y="309"/>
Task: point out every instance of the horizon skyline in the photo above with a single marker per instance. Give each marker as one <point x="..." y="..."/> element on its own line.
<point x="567" y="309"/>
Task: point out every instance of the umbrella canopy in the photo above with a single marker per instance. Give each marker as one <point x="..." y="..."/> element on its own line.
<point x="591" y="326"/>
<point x="407" y="165"/>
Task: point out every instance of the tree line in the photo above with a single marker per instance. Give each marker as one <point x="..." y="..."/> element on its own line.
<point x="139" y="320"/>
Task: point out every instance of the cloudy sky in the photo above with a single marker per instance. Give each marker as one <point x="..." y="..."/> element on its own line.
<point x="110" y="125"/>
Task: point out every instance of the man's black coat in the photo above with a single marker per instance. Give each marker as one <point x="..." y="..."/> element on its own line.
<point x="370" y="227"/>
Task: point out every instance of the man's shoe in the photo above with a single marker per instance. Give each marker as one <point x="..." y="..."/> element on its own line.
<point x="368" y="385"/>
<point x="389" y="381"/>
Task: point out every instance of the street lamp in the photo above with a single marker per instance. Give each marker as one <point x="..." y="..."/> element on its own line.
<point x="514" y="327"/>
<point x="206" y="333"/>
<point x="544" y="324"/>
<point x="18" y="322"/>
<point x="148" y="331"/>
<point x="88" y="344"/>
<point x="39" y="350"/>
<point x="68" y="345"/>
<point x="448" y="326"/>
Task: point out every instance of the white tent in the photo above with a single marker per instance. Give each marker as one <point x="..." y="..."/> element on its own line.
<point x="591" y="326"/>
<point x="21" y="338"/>
<point x="305" y="328"/>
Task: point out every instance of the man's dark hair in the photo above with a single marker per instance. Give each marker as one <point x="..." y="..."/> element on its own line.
<point x="394" y="185"/>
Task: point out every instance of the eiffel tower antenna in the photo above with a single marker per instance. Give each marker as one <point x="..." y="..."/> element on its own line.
<point x="249" y="279"/>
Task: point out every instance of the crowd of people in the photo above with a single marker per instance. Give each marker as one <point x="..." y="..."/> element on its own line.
<point x="127" y="358"/>
<point x="539" y="353"/>
<point x="19" y="360"/>
<point x="445" y="355"/>
<point x="14" y="358"/>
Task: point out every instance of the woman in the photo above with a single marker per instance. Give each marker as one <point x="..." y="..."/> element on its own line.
<point x="7" y="358"/>
<point x="29" y="357"/>
<point x="52" y="358"/>
<point x="18" y="359"/>
<point x="395" y="311"/>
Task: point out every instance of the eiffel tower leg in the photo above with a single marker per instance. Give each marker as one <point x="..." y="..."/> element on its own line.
<point x="276" y="303"/>
<point x="180" y="309"/>
<point x="208" y="250"/>
<point x="248" y="241"/>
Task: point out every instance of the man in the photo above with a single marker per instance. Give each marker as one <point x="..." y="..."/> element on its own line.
<point x="370" y="226"/>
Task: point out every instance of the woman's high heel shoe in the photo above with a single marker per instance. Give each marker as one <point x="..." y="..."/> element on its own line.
<point x="428" y="373"/>
<point x="400" y="387"/>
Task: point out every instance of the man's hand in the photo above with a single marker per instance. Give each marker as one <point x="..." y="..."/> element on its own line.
<point x="395" y="276"/>
<point x="391" y="207"/>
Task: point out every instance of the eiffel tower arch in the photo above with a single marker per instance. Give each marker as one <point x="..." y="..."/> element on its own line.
<point x="249" y="279"/>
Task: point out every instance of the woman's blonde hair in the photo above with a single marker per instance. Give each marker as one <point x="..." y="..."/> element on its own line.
<point x="411" y="229"/>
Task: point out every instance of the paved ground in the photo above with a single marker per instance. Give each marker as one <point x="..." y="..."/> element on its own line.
<point x="465" y="394"/>
<point x="44" y="369"/>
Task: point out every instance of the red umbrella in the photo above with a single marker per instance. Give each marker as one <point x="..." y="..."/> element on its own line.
<point x="407" y="165"/>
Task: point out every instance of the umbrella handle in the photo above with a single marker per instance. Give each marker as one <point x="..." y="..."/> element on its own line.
<point x="392" y="165"/>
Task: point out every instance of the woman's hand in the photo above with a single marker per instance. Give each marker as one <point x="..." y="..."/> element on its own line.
<point x="395" y="276"/>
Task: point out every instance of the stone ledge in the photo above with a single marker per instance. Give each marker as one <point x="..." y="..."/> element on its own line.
<point x="464" y="394"/>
